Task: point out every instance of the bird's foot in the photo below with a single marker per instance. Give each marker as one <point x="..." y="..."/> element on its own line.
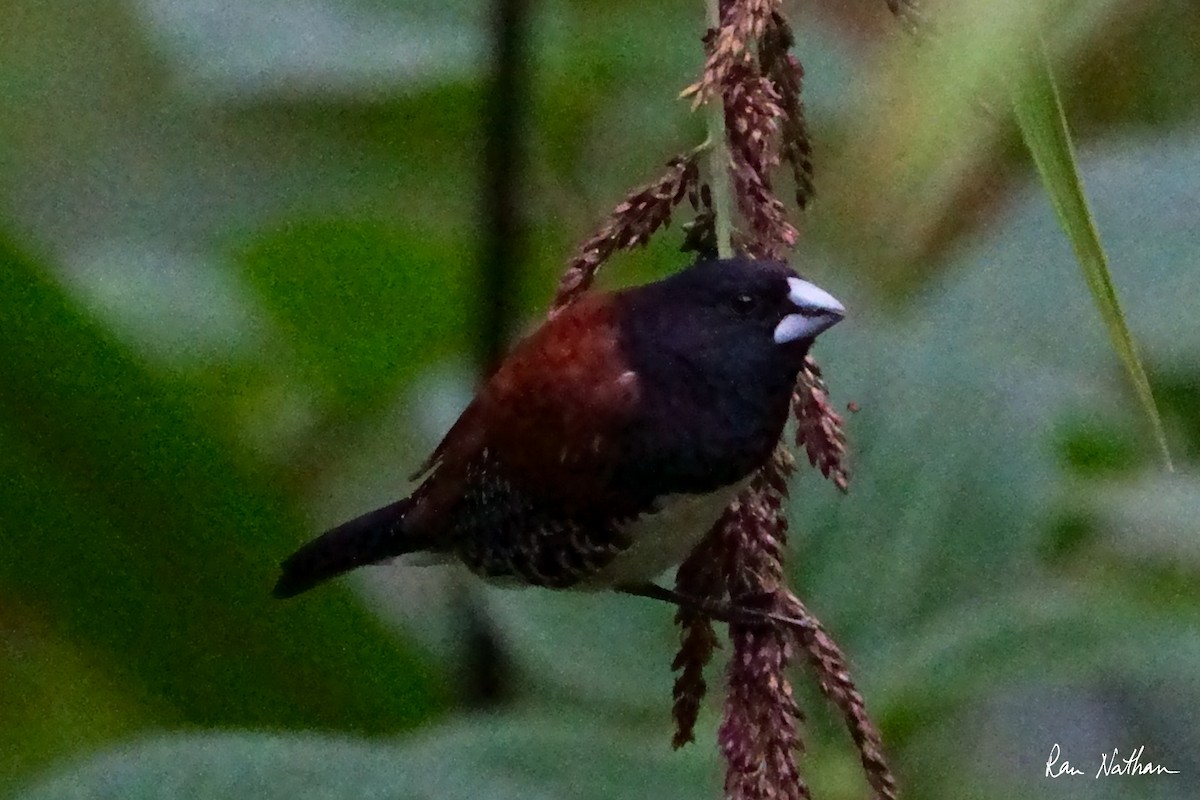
<point x="717" y="609"/>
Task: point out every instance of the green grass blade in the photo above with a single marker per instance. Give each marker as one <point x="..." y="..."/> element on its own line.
<point x="145" y="534"/>
<point x="1043" y="125"/>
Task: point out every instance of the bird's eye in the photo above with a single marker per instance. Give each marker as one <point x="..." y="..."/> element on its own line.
<point x="744" y="303"/>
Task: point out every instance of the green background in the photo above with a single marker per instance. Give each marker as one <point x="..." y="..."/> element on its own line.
<point x="239" y="270"/>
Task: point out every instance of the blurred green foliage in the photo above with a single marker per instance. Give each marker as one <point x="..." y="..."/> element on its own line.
<point x="238" y="264"/>
<point x="1038" y="108"/>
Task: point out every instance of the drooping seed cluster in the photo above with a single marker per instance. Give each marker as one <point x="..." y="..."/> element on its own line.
<point x="818" y="427"/>
<point x="631" y="223"/>
<point x="730" y="45"/>
<point x="702" y="575"/>
<point x="829" y="663"/>
<point x="759" y="734"/>
<point x="787" y="74"/>
<point x="750" y="70"/>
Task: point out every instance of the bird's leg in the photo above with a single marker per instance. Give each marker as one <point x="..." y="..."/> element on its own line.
<point x="717" y="609"/>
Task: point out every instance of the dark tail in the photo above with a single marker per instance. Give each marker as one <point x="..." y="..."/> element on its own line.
<point x="373" y="537"/>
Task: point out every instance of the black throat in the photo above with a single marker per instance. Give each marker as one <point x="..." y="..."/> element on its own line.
<point x="715" y="396"/>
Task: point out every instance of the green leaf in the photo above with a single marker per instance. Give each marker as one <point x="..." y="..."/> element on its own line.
<point x="538" y="757"/>
<point x="917" y="132"/>
<point x="1058" y="633"/>
<point x="609" y="649"/>
<point x="362" y="304"/>
<point x="1151" y="519"/>
<point x="146" y="536"/>
<point x="1044" y="126"/>
<point x="57" y="700"/>
<point x="323" y="48"/>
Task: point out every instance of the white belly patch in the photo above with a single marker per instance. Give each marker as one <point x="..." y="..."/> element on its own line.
<point x="662" y="539"/>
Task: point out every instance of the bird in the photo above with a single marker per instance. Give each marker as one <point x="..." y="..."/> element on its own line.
<point x="608" y="442"/>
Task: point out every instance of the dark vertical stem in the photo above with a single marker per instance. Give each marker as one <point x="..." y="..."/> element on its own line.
<point x="503" y="247"/>
<point x="504" y="161"/>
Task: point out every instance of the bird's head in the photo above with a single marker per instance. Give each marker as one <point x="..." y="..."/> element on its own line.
<point x="735" y="310"/>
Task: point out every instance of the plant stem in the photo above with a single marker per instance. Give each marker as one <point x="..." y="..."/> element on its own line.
<point x="722" y="193"/>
